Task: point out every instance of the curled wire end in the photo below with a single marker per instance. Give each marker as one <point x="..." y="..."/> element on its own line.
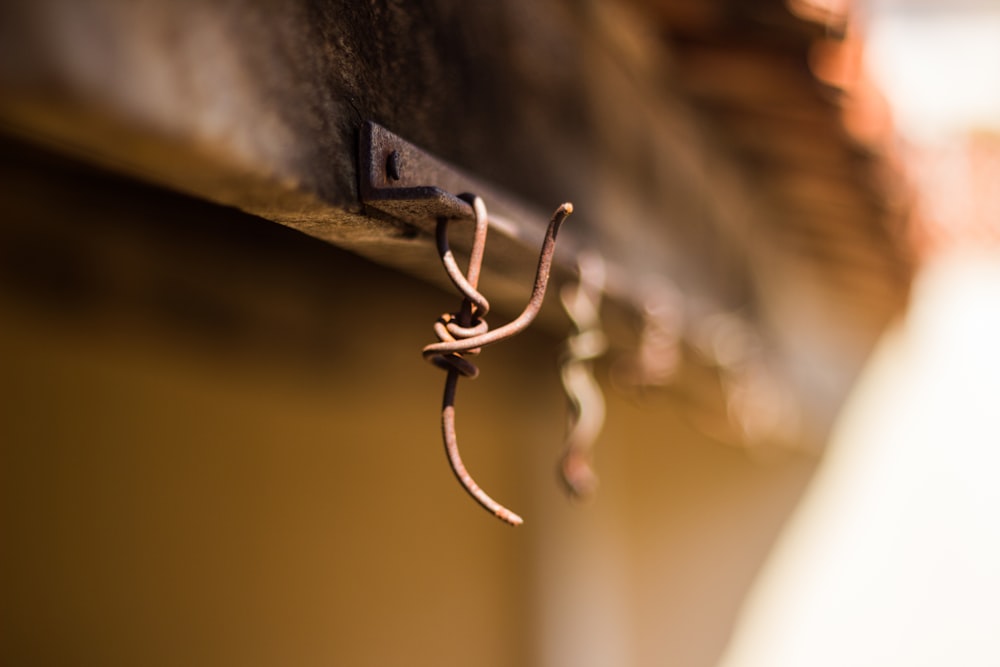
<point x="586" y="419"/>
<point x="578" y="476"/>
<point x="586" y="402"/>
<point x="455" y="458"/>
<point x="511" y="518"/>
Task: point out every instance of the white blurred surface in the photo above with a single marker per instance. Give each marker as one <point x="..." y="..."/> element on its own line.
<point x="894" y="556"/>
<point x="938" y="63"/>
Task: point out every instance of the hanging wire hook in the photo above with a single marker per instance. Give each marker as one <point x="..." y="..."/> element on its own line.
<point x="582" y="303"/>
<point x="466" y="333"/>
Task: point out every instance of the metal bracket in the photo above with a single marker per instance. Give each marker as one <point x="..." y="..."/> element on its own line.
<point x="407" y="183"/>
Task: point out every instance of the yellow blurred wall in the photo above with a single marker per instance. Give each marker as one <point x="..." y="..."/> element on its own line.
<point x="219" y="445"/>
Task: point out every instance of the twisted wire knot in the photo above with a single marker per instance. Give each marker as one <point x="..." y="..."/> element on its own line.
<point x="448" y="330"/>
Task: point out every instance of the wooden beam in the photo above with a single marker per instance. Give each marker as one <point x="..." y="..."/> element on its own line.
<point x="244" y="105"/>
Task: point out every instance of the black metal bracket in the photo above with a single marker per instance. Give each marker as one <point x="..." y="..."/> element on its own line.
<point x="404" y="181"/>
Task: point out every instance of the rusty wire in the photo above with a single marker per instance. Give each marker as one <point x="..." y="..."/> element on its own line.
<point x="466" y="333"/>
<point x="582" y="303"/>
